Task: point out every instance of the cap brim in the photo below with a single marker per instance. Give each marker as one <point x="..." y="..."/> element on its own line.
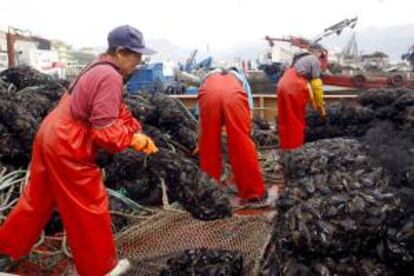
<point x="143" y="51"/>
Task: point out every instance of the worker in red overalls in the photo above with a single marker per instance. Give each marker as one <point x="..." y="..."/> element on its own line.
<point x="63" y="173"/>
<point x="224" y="102"/>
<point x="299" y="84"/>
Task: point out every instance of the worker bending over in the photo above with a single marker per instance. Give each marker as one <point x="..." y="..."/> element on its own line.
<point x="300" y="84"/>
<point x="224" y="102"/>
<point x="63" y="173"/>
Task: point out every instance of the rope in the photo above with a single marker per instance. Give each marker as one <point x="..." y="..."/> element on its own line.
<point x="8" y="196"/>
<point x="130" y="216"/>
<point x="257" y="268"/>
<point x="65" y="248"/>
<point x="130" y="203"/>
<point x="6" y="178"/>
<point x="185" y="109"/>
<point x="41" y="240"/>
<point x="184" y="149"/>
<point x="9" y="181"/>
<point x="10" y="87"/>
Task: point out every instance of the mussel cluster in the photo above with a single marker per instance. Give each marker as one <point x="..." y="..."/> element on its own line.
<point x="394" y="105"/>
<point x="23" y="76"/>
<point x="174" y="132"/>
<point x="263" y="134"/>
<point x="340" y="214"/>
<point x="347" y="207"/>
<point x="355" y="119"/>
<point x="327" y="167"/>
<point x="343" y="120"/>
<point x="142" y="178"/>
<point x="25" y="98"/>
<point x="383" y="101"/>
<point x="205" y="262"/>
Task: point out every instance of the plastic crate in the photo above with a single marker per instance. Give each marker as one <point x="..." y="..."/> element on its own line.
<point x="192" y="90"/>
<point x="144" y="78"/>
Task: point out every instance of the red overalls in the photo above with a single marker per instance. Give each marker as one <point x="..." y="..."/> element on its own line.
<point x="223" y="101"/>
<point x="63" y="174"/>
<point x="292" y="97"/>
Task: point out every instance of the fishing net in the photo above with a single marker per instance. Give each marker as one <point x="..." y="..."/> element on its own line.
<point x="152" y="239"/>
<point x="150" y="243"/>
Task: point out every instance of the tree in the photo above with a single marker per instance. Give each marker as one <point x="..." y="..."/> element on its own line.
<point x="82" y="57"/>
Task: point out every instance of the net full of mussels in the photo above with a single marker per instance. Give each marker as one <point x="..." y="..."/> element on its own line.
<point x="21" y="111"/>
<point x="174" y="131"/>
<point x="340" y="214"/>
<point x="355" y="119"/>
<point x="343" y="120"/>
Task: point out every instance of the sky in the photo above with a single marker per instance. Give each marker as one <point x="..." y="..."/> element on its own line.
<point x="220" y="24"/>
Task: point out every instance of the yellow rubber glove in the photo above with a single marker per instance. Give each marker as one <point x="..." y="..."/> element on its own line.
<point x="142" y="143"/>
<point x="317" y="88"/>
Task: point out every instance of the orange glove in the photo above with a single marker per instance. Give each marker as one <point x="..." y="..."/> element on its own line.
<point x="143" y="143"/>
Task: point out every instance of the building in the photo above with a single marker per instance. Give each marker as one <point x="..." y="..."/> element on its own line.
<point x="30" y="50"/>
<point x="377" y="60"/>
<point x="63" y="51"/>
<point x="3" y="51"/>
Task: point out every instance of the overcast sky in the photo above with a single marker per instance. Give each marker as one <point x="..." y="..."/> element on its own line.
<point x="190" y="23"/>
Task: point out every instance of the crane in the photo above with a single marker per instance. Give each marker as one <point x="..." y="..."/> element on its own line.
<point x="304" y="43"/>
<point x="360" y="80"/>
<point x="409" y="56"/>
<point x="336" y="28"/>
<point x="13" y="35"/>
<point x="190" y="62"/>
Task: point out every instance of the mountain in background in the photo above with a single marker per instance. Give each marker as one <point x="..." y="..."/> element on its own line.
<point x="167" y="50"/>
<point x="394" y="41"/>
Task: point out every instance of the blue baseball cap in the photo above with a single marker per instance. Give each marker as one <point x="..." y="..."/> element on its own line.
<point x="130" y="38"/>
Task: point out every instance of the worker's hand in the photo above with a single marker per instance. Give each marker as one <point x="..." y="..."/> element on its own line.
<point x="196" y="150"/>
<point x="318" y="94"/>
<point x="142" y="143"/>
<point x="322" y="112"/>
<point x="223" y="131"/>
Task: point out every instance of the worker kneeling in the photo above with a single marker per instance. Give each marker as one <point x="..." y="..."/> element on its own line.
<point x="299" y="85"/>
<point x="63" y="172"/>
<point x="224" y="102"/>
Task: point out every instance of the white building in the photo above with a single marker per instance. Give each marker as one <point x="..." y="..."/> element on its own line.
<point x="4" y="61"/>
<point x="63" y="50"/>
<point x="32" y="51"/>
<point x="43" y="60"/>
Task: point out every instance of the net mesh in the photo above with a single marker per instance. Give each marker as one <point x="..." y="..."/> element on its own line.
<point x="149" y="244"/>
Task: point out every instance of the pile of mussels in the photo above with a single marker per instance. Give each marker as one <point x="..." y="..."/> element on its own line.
<point x="343" y="120"/>
<point x="340" y="213"/>
<point x="205" y="262"/>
